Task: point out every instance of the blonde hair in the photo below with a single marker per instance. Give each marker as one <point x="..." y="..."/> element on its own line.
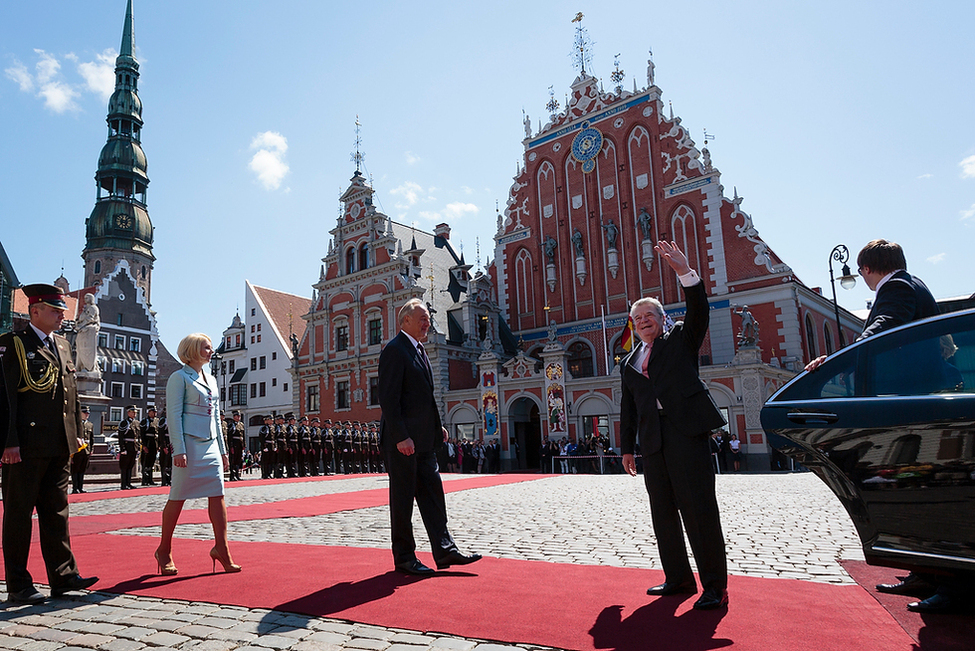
<point x="191" y="348"/>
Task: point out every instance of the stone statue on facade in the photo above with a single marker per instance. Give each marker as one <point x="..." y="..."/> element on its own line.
<point x="550" y="245"/>
<point x="748" y="334"/>
<point x="294" y="347"/>
<point x="577" y="243"/>
<point x="552" y="331"/>
<point x="611" y="233"/>
<point x="86" y="343"/>
<point x="645" y="223"/>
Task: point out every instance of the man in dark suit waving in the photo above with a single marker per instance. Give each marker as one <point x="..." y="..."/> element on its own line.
<point x="410" y="433"/>
<point x="40" y="420"/>
<point x="669" y="408"/>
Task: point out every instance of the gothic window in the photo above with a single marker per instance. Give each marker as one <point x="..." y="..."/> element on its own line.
<point x="364" y="257"/>
<point x="143" y="272"/>
<point x="350" y="260"/>
<point x="580" y="360"/>
<point x="98" y="266"/>
<point x="811" y="337"/>
<point x="524" y="287"/>
<point x="684" y="231"/>
<point x="828" y="336"/>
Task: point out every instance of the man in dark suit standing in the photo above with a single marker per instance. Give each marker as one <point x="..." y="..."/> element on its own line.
<point x="669" y="409"/>
<point x="127" y="436"/>
<point x="410" y="433"/>
<point x="40" y="421"/>
<point x="235" y="441"/>
<point x="148" y="436"/>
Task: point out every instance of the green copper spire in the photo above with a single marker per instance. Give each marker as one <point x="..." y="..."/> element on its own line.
<point x="119" y="226"/>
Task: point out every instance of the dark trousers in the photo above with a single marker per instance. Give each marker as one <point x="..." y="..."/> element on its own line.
<point x="416" y="477"/>
<point x="126" y="462"/>
<point x="680" y="482"/>
<point x="41" y="484"/>
<point x="166" y="466"/>
<point x="79" y="464"/>
<point x="236" y="459"/>
<point x="267" y="463"/>
<point x="148" y="459"/>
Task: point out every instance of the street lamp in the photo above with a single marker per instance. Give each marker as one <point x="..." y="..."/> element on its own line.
<point x="847" y="281"/>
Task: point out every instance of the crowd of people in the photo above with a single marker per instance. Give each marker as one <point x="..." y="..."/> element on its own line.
<point x="592" y="454"/>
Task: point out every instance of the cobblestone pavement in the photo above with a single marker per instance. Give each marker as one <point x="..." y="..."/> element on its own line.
<point x="787" y="526"/>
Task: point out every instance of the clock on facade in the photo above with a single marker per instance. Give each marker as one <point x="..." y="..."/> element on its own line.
<point x="586" y="146"/>
<point x="123" y="221"/>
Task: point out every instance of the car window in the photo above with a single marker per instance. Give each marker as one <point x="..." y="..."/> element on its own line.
<point x="934" y="358"/>
<point x="834" y="379"/>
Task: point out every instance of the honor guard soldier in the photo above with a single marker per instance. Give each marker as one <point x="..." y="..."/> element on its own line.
<point x="357" y="447"/>
<point x="267" y="447"/>
<point x="235" y="438"/>
<point x="302" y="447"/>
<point x="375" y="452"/>
<point x="40" y="424"/>
<point x="315" y="453"/>
<point x="128" y="435"/>
<point x="348" y="467"/>
<point x="328" y="446"/>
<point x="165" y="452"/>
<point x="79" y="460"/>
<point x="291" y="434"/>
<point x="280" y="446"/>
<point x="148" y="433"/>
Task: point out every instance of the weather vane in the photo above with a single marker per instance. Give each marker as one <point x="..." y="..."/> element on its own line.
<point x="358" y="155"/>
<point x="582" y="52"/>
<point x="553" y="104"/>
<point x="707" y="137"/>
<point x="617" y="75"/>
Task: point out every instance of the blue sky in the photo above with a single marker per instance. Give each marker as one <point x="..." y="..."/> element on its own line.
<point x="837" y="122"/>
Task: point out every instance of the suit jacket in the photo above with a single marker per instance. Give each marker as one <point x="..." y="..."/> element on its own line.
<point x="192" y="408"/>
<point x="902" y="299"/>
<point x="409" y="409"/>
<point x="673" y="381"/>
<point x="41" y="424"/>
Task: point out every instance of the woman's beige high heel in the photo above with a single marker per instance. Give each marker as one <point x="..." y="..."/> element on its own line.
<point x="166" y="569"/>
<point x="228" y="565"/>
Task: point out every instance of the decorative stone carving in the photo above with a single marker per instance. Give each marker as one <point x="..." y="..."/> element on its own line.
<point x="86" y="342"/>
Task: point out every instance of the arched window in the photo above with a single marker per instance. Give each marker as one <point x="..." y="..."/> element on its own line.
<point x="811" y="337"/>
<point x="143" y="271"/>
<point x="350" y="260"/>
<point x="98" y="266"/>
<point x="580" y="360"/>
<point x="524" y="291"/>
<point x="828" y="338"/>
<point x="364" y="257"/>
<point x="684" y="232"/>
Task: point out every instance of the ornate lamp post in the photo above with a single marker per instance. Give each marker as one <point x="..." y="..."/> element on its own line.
<point x="847" y="281"/>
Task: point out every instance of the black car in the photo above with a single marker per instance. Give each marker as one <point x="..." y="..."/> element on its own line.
<point x="889" y="424"/>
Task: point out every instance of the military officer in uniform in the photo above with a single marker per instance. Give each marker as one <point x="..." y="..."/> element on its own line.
<point x="128" y="434"/>
<point x="40" y="423"/>
<point x="148" y="433"/>
<point x="302" y="447"/>
<point x="291" y="435"/>
<point x="235" y="439"/>
<point x="315" y="453"/>
<point x="165" y="452"/>
<point x="79" y="460"/>
<point x="328" y="446"/>
<point x="266" y="434"/>
<point x="348" y="467"/>
<point x="280" y="446"/>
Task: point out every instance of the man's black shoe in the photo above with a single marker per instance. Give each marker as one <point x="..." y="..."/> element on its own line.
<point x="76" y="582"/>
<point x="26" y="596"/>
<point x="712" y="599"/>
<point x="415" y="568"/>
<point x="939" y="602"/>
<point x="456" y="558"/>
<point x="667" y="589"/>
<point x="912" y="585"/>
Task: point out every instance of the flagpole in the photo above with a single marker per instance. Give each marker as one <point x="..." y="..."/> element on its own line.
<point x="602" y="315"/>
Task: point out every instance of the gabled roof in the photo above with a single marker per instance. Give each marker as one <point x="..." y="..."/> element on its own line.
<point x="284" y="311"/>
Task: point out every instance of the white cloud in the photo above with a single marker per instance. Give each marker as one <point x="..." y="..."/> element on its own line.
<point x="99" y="74"/>
<point x="925" y="176"/>
<point x="968" y="167"/>
<point x="430" y="216"/>
<point x="18" y="73"/>
<point x="968" y="214"/>
<point x="467" y="190"/>
<point x="455" y="211"/>
<point x="268" y="162"/>
<point x="410" y="193"/>
<point x="47" y="67"/>
<point x="58" y="96"/>
<point x="411" y="159"/>
<point x="935" y="259"/>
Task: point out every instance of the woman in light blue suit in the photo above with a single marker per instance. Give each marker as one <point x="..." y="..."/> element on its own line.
<point x="199" y="455"/>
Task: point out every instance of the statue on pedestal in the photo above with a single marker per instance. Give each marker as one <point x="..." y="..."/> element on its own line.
<point x="86" y="342"/>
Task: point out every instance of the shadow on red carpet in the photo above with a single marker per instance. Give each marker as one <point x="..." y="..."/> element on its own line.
<point x="946" y="632"/>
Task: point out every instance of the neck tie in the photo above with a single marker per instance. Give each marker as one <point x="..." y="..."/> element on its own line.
<point x="50" y="345"/>
<point x="646" y="361"/>
<point x="426" y="361"/>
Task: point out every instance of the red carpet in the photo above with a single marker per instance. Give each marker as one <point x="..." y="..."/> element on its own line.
<point x="558" y="605"/>
<point x="948" y="632"/>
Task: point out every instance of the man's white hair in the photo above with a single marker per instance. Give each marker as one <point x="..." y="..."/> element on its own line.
<point x="657" y="307"/>
<point x="408" y="308"/>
